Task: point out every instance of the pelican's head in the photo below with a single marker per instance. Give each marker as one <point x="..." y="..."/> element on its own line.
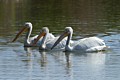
<point x="43" y="32"/>
<point x="27" y="26"/>
<point x="67" y="32"/>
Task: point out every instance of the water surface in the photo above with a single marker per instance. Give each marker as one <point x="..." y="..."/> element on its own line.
<point x="87" y="18"/>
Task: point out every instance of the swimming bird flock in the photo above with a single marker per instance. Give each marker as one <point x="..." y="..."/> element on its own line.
<point x="47" y="41"/>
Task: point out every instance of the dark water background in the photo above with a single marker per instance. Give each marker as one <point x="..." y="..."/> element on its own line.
<point x="99" y="18"/>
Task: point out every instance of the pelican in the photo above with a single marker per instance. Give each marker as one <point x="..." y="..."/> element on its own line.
<point x="89" y="44"/>
<point x="28" y="41"/>
<point x="47" y="43"/>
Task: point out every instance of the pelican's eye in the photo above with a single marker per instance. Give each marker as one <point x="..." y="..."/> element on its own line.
<point x="26" y="25"/>
<point x="67" y="30"/>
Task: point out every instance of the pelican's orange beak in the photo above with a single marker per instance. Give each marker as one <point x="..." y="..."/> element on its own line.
<point x="19" y="33"/>
<point x="39" y="36"/>
<point x="60" y="39"/>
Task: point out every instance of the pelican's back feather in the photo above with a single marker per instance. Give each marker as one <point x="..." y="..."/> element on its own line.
<point x="90" y="44"/>
<point x="61" y="45"/>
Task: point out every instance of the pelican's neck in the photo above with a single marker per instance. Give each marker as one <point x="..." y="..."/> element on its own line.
<point x="27" y="38"/>
<point x="68" y="47"/>
<point x="43" y="42"/>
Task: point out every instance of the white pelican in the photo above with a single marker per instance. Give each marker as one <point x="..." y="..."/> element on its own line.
<point x="90" y="44"/>
<point x="28" y="41"/>
<point x="47" y="43"/>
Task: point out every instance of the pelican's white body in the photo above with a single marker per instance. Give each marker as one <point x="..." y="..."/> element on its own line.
<point x="50" y="36"/>
<point x="47" y="40"/>
<point x="87" y="45"/>
<point x="50" y="42"/>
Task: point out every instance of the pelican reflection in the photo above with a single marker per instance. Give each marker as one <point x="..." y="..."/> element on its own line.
<point x="43" y="58"/>
<point x="63" y="58"/>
